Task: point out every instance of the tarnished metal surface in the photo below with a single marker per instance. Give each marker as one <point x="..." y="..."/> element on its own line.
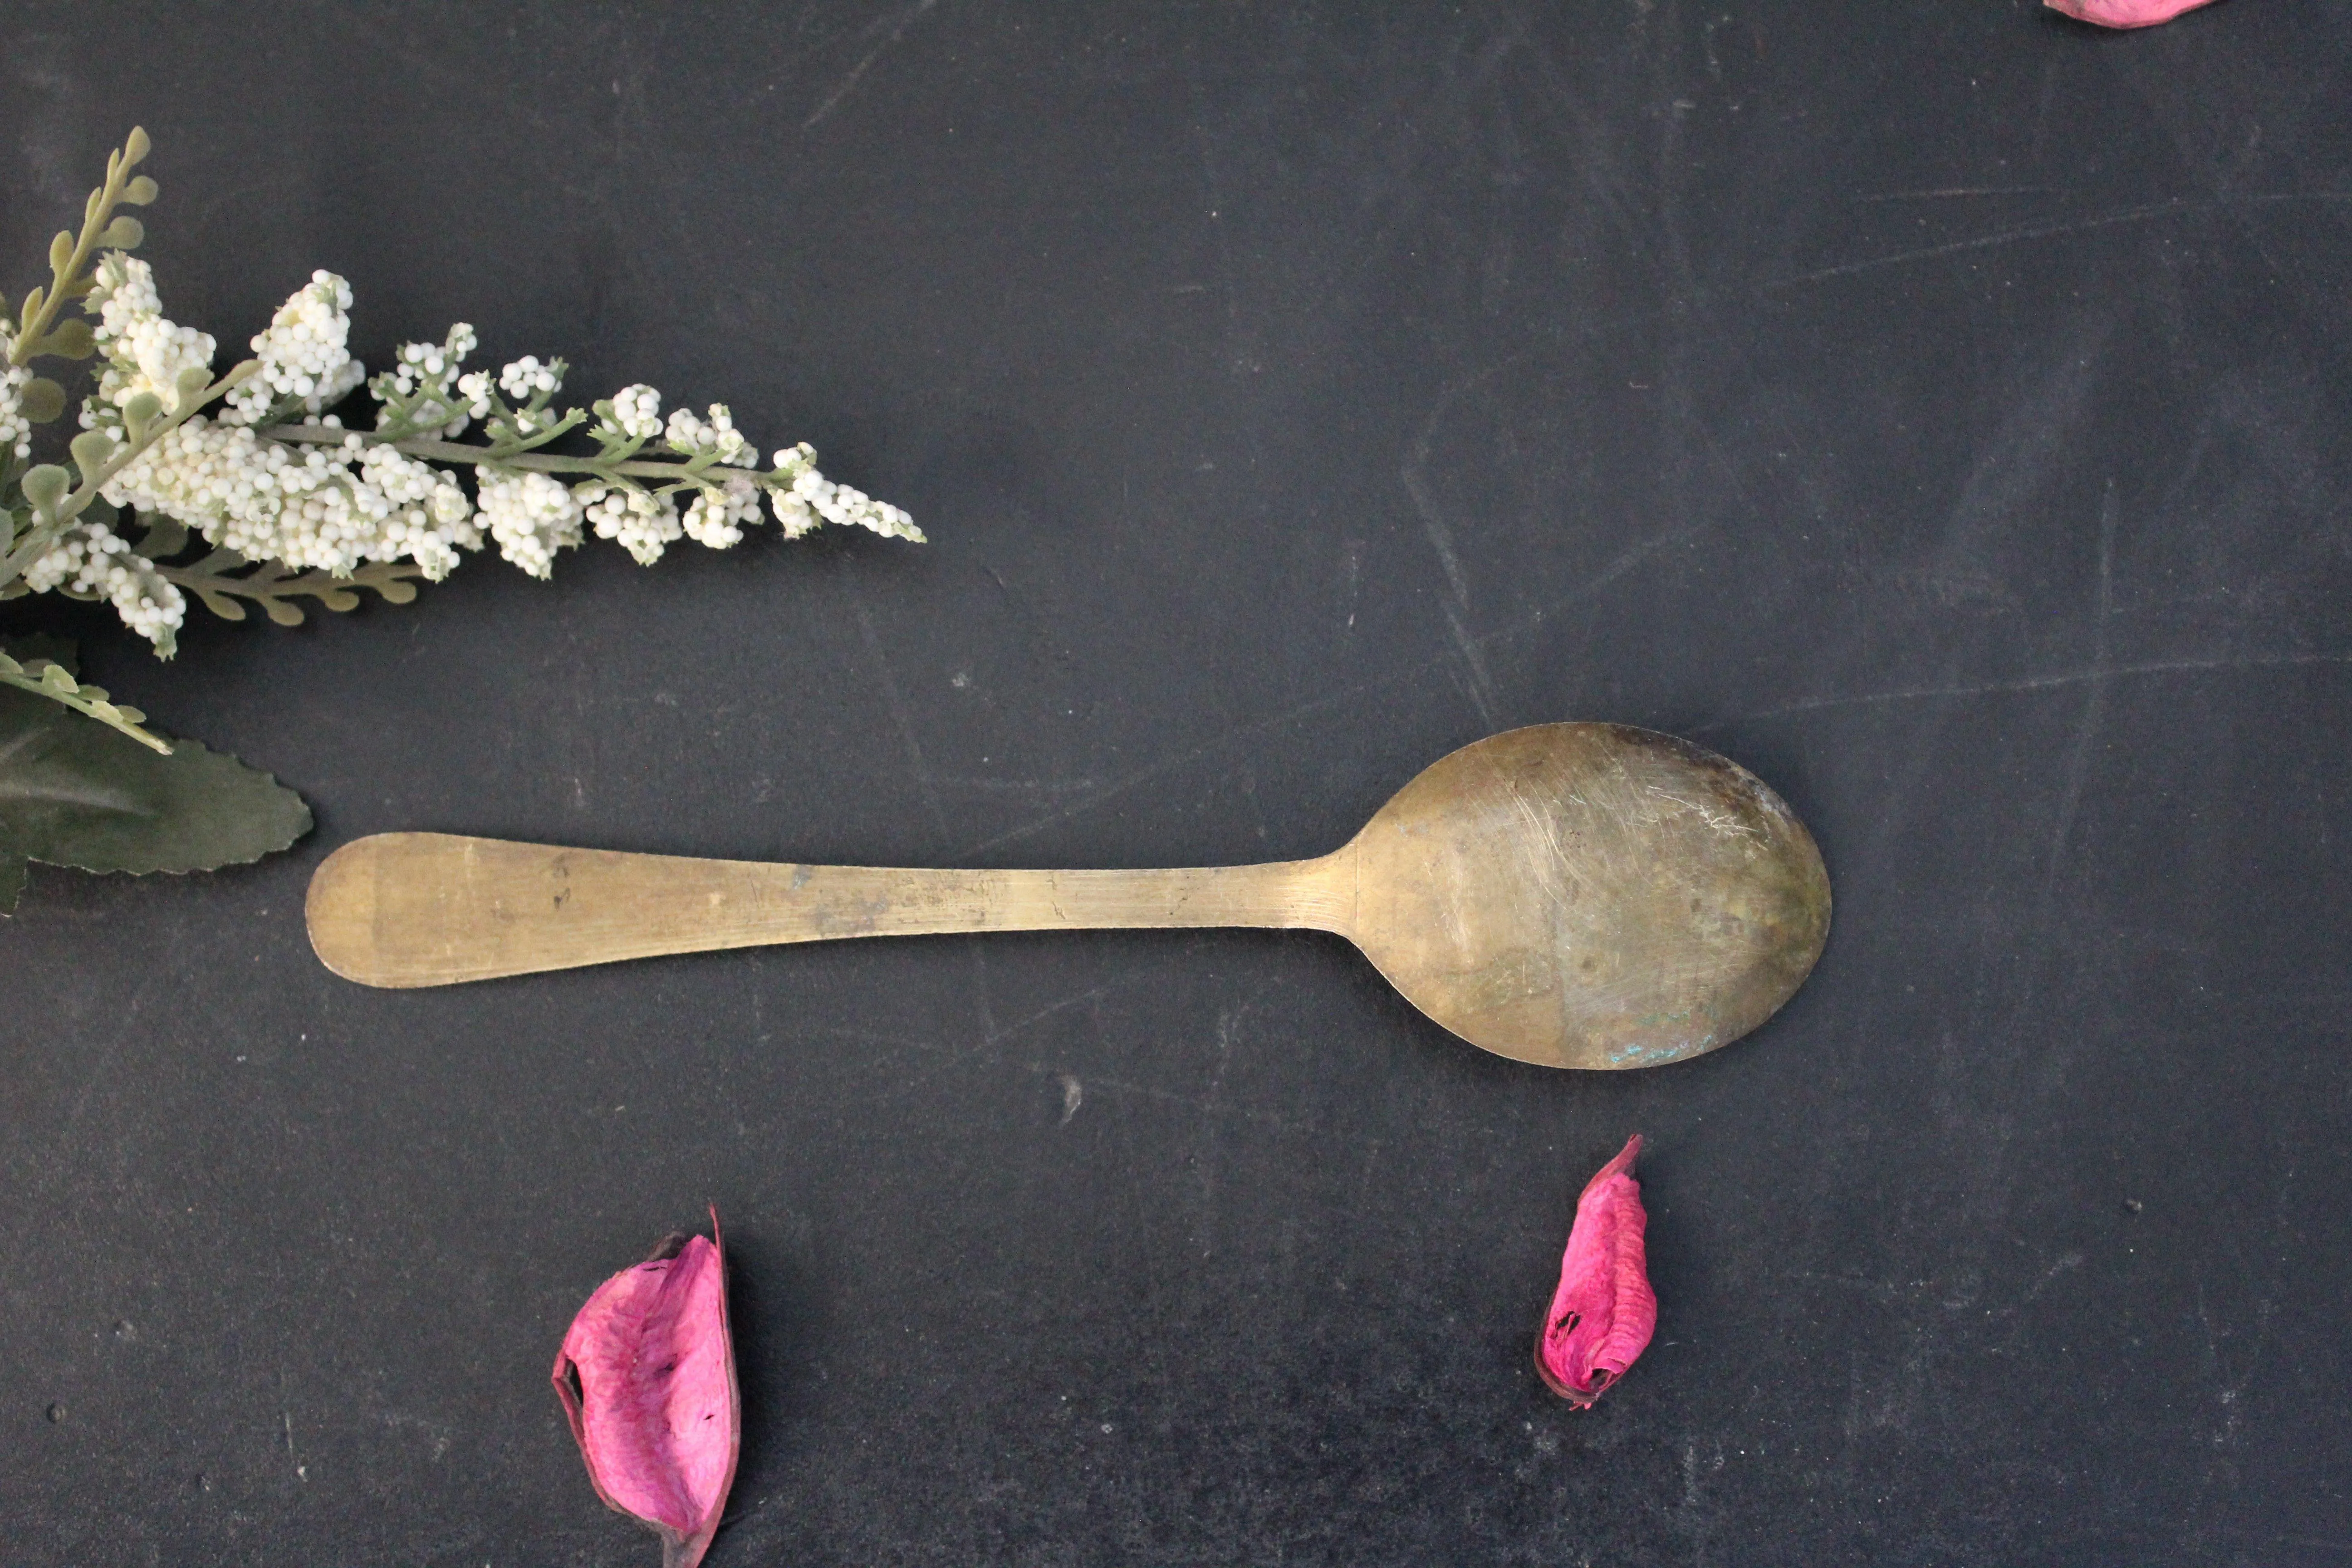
<point x="1575" y="895"/>
<point x="1591" y="896"/>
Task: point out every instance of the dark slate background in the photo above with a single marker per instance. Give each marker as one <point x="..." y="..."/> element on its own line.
<point x="1941" y="408"/>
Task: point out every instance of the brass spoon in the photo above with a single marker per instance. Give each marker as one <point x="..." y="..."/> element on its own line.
<point x="1572" y="895"/>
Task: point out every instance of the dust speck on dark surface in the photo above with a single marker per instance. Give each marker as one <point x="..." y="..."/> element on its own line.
<point x="1943" y="411"/>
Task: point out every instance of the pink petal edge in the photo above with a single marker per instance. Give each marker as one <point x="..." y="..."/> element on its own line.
<point x="1604" y="1313"/>
<point x="2124" y="13"/>
<point x="646" y="1375"/>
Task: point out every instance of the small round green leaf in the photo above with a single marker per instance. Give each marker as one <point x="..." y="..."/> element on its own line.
<point x="61" y="251"/>
<point x="135" y="146"/>
<point x="45" y="485"/>
<point x="42" y="400"/>
<point x="93" y="450"/>
<point x="139" y="191"/>
<point x="69" y="338"/>
<point x="123" y="234"/>
<point x="143" y="408"/>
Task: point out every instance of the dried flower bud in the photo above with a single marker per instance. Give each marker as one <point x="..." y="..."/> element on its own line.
<point x="2124" y="13"/>
<point x="647" y="1379"/>
<point x="1602" y="1314"/>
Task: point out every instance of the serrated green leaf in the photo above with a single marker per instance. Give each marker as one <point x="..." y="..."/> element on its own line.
<point x="74" y="793"/>
<point x="11" y="882"/>
<point x="42" y="400"/>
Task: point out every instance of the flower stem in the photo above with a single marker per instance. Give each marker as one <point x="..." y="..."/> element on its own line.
<point x="103" y="201"/>
<point x="538" y="462"/>
<point x="44" y="533"/>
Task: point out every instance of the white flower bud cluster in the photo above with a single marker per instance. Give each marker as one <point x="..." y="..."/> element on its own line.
<point x="326" y="500"/>
<point x="304" y="355"/>
<point x="637" y="412"/>
<point x="842" y="504"/>
<point x="531" y="517"/>
<point x="328" y="507"/>
<point x="645" y="523"/>
<point x="92" y="559"/>
<point x="427" y="517"/>
<point x="144" y="351"/>
<point x="717" y="518"/>
<point x="424" y="368"/>
<point x="16" y="430"/>
<point x="527" y="377"/>
<point x="474" y="388"/>
<point x="690" y="437"/>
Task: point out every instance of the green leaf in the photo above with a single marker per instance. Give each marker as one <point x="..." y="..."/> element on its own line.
<point x="11" y="882"/>
<point x="61" y="251"/>
<point x="134" y="146"/>
<point x="73" y="792"/>
<point x="49" y="678"/>
<point x="139" y="191"/>
<point x="42" y="400"/>
<point x="93" y="450"/>
<point x="32" y="647"/>
<point x="123" y="234"/>
<point x="164" y="538"/>
<point x="46" y="485"/>
<point x="69" y="338"/>
<point x="32" y="306"/>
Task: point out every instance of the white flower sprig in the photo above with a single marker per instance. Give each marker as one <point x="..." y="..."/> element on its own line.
<point x="291" y="500"/>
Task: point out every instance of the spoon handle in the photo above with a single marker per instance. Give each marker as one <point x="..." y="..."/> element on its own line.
<point x="431" y="909"/>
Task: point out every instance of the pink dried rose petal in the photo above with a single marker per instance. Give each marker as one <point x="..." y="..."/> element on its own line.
<point x="647" y="1378"/>
<point x="2124" y="13"/>
<point x="1604" y="1313"/>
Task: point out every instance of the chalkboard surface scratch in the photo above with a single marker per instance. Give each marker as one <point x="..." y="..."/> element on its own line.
<point x="2159" y="666"/>
<point x="2174" y="207"/>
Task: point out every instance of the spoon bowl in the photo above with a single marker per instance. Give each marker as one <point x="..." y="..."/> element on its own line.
<point x="1591" y="896"/>
<point x="1570" y="895"/>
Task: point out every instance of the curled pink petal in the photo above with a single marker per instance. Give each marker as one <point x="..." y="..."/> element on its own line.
<point x="1604" y="1313"/>
<point x="647" y="1379"/>
<point x="2124" y="13"/>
